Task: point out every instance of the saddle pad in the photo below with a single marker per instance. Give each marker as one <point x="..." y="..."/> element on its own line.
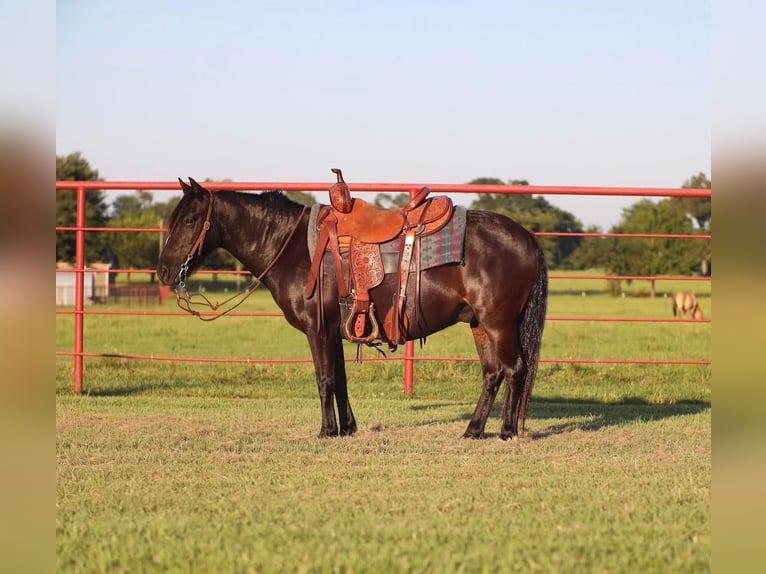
<point x="442" y="248"/>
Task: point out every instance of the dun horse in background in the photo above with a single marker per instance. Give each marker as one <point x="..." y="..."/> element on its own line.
<point x="499" y="287"/>
<point x="686" y="304"/>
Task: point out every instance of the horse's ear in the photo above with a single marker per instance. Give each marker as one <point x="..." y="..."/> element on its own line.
<point x="184" y="186"/>
<point x="195" y="187"/>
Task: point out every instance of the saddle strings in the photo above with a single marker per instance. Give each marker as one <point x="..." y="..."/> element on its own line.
<point x="184" y="299"/>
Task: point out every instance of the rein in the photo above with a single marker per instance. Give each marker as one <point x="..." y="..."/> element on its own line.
<point x="186" y="300"/>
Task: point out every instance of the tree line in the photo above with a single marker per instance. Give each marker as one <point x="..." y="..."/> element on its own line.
<point x="616" y="256"/>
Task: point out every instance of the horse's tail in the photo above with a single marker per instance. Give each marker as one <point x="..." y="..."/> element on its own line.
<point x="532" y="323"/>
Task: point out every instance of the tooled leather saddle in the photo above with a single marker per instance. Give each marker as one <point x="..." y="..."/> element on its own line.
<point x="352" y="230"/>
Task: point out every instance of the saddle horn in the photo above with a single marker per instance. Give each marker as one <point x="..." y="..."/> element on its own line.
<point x="340" y="196"/>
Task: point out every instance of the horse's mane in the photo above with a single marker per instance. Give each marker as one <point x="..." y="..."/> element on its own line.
<point x="273" y="201"/>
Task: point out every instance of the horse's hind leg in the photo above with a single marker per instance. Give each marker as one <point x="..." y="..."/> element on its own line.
<point x="502" y="360"/>
<point x="509" y="352"/>
<point x="516" y="376"/>
<point x="492" y="374"/>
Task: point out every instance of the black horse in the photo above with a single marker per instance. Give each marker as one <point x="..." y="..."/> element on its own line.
<point x="500" y="290"/>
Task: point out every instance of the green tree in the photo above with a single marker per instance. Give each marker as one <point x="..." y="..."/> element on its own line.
<point x="700" y="210"/>
<point x="164" y="209"/>
<point x="652" y="256"/>
<point x="536" y="214"/>
<point x="676" y="215"/>
<point x="135" y="250"/>
<point x="74" y="167"/>
<point x="592" y="251"/>
<point x="132" y="203"/>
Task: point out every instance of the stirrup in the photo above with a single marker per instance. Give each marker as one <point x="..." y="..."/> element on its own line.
<point x="368" y="318"/>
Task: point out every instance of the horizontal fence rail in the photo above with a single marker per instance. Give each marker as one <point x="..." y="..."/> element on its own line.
<point x="409" y="358"/>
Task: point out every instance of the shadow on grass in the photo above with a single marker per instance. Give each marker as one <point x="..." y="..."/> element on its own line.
<point x="583" y="415"/>
<point x="549" y="416"/>
<point x="594" y="415"/>
<point x="181" y="387"/>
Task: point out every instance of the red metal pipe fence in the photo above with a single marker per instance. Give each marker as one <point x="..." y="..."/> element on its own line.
<point x="81" y="187"/>
<point x="79" y="290"/>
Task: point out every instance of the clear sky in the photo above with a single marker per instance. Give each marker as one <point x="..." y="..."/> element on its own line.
<point x="593" y="92"/>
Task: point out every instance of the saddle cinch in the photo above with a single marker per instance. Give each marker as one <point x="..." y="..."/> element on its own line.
<point x="352" y="231"/>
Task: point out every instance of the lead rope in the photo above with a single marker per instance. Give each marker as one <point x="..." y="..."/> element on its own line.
<point x="184" y="298"/>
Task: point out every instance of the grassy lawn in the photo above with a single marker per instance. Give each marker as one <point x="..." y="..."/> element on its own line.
<point x="193" y="467"/>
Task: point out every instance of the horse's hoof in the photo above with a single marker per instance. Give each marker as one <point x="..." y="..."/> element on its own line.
<point x="328" y="433"/>
<point x="473" y="434"/>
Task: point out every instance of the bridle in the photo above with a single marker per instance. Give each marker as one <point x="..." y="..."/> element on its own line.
<point x="203" y="233"/>
<point x="196" y="248"/>
<point x="184" y="299"/>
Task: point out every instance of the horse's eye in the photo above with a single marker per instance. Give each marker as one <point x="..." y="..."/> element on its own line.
<point x="188" y="222"/>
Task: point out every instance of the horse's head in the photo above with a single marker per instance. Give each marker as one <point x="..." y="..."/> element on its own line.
<point x="189" y="234"/>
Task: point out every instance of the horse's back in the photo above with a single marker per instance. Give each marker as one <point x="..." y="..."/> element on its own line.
<point x="499" y="267"/>
<point x="495" y="235"/>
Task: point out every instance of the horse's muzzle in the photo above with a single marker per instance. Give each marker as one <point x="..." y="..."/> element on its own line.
<point x="166" y="276"/>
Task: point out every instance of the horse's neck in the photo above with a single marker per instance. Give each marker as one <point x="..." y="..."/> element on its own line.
<point x="255" y="235"/>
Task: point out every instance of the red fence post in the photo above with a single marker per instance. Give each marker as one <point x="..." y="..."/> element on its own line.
<point x="79" y="289"/>
<point x="409" y="367"/>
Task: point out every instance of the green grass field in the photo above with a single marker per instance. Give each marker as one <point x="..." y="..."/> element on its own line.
<point x="193" y="467"/>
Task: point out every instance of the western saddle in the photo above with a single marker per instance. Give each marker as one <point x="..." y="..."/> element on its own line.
<point x="352" y="230"/>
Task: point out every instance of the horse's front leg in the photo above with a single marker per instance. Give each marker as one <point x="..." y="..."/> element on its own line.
<point x="345" y="414"/>
<point x="324" y="354"/>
